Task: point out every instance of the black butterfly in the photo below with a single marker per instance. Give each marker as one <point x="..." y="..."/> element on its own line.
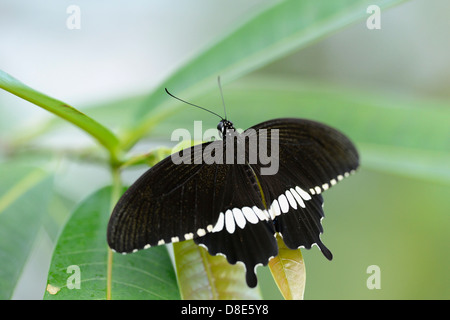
<point x="233" y="209"/>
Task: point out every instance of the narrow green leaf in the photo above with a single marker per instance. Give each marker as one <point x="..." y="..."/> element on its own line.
<point x="61" y="109"/>
<point x="82" y="252"/>
<point x="288" y="271"/>
<point x="393" y="134"/>
<point x="279" y="30"/>
<point x="24" y="199"/>
<point x="205" y="277"/>
<point x="418" y="163"/>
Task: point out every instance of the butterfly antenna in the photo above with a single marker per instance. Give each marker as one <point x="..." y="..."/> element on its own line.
<point x="221" y="94"/>
<point x="194" y="105"/>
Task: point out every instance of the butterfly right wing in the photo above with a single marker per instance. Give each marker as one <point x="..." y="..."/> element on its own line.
<point x="312" y="158"/>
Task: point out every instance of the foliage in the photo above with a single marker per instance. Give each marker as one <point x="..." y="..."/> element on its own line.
<point x="30" y="202"/>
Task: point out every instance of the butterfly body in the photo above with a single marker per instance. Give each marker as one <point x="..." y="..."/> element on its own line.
<point x="234" y="207"/>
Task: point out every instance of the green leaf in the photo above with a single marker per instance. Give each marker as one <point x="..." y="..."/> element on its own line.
<point x="146" y="274"/>
<point x="205" y="277"/>
<point x="288" y="271"/>
<point x="24" y="199"/>
<point x="105" y="137"/>
<point x="417" y="163"/>
<point x="393" y="134"/>
<point x="283" y="28"/>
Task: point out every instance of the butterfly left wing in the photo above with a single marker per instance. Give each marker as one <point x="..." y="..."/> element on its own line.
<point x="244" y="231"/>
<point x="218" y="205"/>
<point x="170" y="202"/>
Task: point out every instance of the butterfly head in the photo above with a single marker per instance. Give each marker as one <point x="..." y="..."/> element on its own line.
<point x="225" y="126"/>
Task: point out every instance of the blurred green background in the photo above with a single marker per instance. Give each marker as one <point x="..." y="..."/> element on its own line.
<point x="387" y="89"/>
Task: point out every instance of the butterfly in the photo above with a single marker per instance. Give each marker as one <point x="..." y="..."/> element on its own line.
<point x="234" y="209"/>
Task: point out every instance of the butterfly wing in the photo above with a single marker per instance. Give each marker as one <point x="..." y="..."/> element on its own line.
<point x="244" y="232"/>
<point x="163" y="205"/>
<point x="314" y="153"/>
<point x="175" y="202"/>
<point x="311" y="157"/>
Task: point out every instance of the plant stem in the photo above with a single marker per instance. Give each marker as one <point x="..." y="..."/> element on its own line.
<point x="115" y="195"/>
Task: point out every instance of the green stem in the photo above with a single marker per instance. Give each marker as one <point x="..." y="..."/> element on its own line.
<point x="115" y="195"/>
<point x="149" y="158"/>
